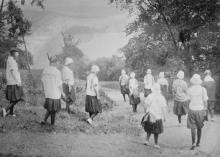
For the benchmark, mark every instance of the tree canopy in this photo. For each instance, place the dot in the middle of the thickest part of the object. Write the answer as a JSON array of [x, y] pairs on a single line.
[[167, 29]]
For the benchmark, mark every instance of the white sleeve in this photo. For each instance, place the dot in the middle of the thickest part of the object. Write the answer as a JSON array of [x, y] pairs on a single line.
[[11, 64], [205, 96]]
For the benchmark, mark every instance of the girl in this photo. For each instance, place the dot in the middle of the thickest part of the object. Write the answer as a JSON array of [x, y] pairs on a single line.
[[92, 105], [180, 96], [162, 81], [68, 83], [134, 93], [14, 90], [197, 106], [148, 82], [52, 85], [123, 82], [209, 84], [155, 106]]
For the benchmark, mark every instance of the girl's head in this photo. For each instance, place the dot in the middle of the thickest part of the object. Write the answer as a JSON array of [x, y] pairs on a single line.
[[196, 79], [123, 72], [14, 53], [149, 71], [132, 75], [161, 75], [68, 61], [180, 75], [207, 72], [95, 69]]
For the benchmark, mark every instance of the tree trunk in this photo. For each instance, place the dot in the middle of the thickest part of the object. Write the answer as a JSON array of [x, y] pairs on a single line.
[[1, 8], [26, 51]]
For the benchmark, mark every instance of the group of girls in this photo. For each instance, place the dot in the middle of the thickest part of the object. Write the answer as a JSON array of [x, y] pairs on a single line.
[[57, 85], [197, 101]]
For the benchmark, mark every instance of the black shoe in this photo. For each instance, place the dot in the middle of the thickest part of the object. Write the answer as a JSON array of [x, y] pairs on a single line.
[[42, 123], [197, 145], [193, 147]]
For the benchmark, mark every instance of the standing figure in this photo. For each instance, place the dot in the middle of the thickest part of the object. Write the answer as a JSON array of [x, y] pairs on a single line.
[[148, 83], [52, 86], [180, 96], [14, 90], [162, 81], [197, 106], [68, 83], [210, 86], [155, 107], [123, 82], [134, 93], [92, 104]]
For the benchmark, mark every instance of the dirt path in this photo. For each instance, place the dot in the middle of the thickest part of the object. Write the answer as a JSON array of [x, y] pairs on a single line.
[[125, 138]]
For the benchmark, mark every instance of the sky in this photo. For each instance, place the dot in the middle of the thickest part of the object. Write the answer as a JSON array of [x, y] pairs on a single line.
[[106, 22]]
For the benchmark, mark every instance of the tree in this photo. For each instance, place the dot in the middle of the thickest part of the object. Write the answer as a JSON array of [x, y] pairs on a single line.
[[13, 27], [173, 21]]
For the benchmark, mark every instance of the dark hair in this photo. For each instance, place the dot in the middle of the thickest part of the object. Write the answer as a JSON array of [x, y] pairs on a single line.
[[12, 52]]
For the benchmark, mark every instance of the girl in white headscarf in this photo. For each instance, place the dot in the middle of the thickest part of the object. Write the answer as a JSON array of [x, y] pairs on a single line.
[[123, 82], [92, 105], [134, 93], [180, 96], [210, 86], [52, 85], [148, 82], [155, 108], [197, 109]]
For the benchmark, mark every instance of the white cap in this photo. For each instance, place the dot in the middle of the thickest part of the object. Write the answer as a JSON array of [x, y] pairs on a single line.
[[161, 75], [68, 61], [132, 75], [180, 74], [148, 71], [196, 79], [95, 69]]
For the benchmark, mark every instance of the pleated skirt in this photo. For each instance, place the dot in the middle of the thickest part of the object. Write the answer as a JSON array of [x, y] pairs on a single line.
[[153, 128], [180, 108], [52, 105], [14, 93], [92, 104], [196, 119]]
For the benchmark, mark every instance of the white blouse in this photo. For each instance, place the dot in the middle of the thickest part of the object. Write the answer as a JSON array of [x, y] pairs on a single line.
[[12, 66], [67, 76], [197, 95], [51, 79], [155, 103], [123, 80], [92, 84], [148, 81], [133, 86]]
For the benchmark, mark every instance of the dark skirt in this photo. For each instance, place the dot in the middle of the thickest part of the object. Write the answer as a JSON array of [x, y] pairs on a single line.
[[134, 100], [14, 93], [70, 94], [147, 92], [52, 105], [124, 89], [196, 119], [153, 128], [180, 108], [92, 104]]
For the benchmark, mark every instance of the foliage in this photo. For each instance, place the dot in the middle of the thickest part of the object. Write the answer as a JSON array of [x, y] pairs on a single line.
[[110, 68], [13, 27], [168, 23]]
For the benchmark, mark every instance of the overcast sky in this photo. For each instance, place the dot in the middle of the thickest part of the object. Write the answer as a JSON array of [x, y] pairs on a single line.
[[64, 14]]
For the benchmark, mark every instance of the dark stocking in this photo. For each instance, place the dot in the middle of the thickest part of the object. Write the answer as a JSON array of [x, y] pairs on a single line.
[[134, 107], [193, 134], [199, 134], [179, 118], [53, 116], [10, 108], [148, 136], [155, 138], [92, 115], [46, 116]]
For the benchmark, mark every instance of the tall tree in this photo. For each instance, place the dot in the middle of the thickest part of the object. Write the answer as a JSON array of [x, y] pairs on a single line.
[[173, 21]]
